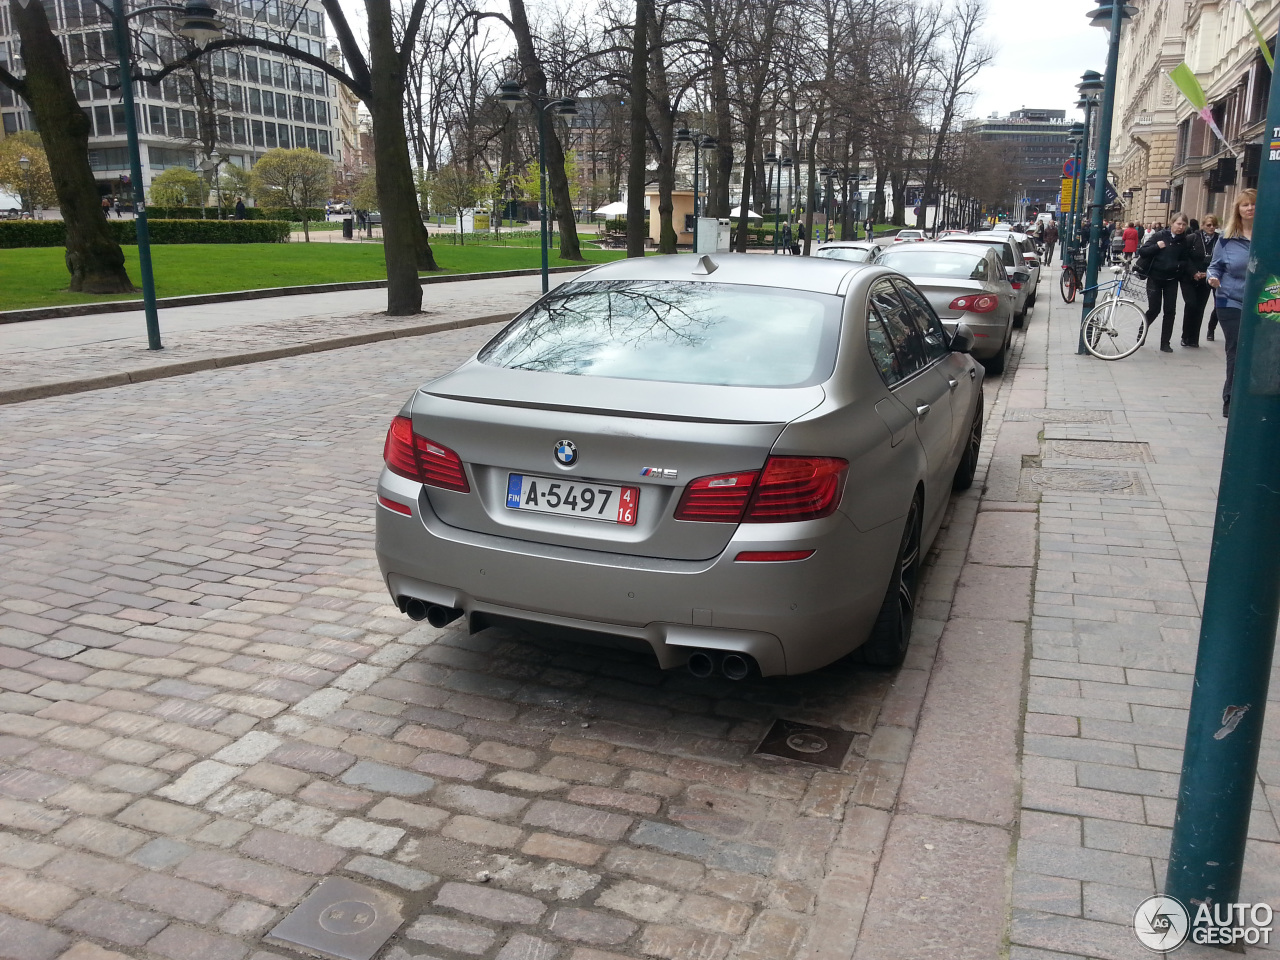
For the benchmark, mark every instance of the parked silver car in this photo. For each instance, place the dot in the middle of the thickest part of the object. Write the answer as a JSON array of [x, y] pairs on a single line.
[[964, 284], [1022, 276], [738, 462], [853, 251]]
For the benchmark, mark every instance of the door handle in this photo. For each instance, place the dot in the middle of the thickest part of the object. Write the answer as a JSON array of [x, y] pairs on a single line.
[[973, 374], [922, 410], [953, 381]]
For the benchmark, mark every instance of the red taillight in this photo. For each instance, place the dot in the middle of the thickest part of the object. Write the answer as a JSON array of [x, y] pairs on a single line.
[[772, 556], [975, 303], [1016, 285], [719, 499], [797, 488], [423, 460], [788, 489]]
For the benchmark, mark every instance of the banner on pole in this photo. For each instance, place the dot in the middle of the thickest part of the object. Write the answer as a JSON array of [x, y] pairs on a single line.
[[1068, 194]]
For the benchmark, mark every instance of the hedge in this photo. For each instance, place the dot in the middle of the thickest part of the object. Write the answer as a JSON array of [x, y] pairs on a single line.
[[211, 213], [53, 233]]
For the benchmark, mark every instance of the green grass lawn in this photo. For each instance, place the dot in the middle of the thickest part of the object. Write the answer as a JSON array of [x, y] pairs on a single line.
[[37, 276]]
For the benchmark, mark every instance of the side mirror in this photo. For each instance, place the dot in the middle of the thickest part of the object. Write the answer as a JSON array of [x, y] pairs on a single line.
[[1020, 276], [962, 339]]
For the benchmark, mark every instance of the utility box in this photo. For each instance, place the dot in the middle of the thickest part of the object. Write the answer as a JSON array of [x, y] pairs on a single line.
[[348, 229], [713, 236]]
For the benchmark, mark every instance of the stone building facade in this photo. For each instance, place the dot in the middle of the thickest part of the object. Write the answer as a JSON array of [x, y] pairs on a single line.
[[1161, 150]]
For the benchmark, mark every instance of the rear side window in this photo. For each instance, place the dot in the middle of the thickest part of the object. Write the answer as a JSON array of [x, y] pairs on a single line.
[[936, 343], [904, 336], [677, 332]]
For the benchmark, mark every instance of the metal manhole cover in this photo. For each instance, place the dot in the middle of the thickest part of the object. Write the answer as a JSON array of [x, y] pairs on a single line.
[[1100, 450], [1060, 416], [805, 743], [340, 919], [1083, 480]]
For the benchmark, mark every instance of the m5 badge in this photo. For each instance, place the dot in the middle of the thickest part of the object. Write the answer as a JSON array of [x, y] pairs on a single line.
[[661, 473]]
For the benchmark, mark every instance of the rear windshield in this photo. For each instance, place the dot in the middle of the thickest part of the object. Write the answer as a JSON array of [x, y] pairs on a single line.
[[934, 263], [1001, 244], [856, 254], [677, 332]]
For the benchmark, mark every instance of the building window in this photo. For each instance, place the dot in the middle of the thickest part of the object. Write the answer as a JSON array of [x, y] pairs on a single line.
[[309, 110], [238, 134], [156, 116], [270, 130], [324, 142], [251, 69], [255, 127], [282, 106], [255, 101], [312, 142], [297, 108]]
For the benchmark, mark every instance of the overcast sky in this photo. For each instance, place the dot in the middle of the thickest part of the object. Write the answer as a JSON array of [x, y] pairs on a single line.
[[1042, 47]]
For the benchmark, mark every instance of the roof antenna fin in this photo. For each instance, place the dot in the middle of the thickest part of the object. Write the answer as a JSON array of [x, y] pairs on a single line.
[[706, 266]]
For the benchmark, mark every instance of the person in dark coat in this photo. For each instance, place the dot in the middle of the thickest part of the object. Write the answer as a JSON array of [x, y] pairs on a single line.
[[1168, 251], [1050, 240], [786, 237], [1194, 280], [239, 208]]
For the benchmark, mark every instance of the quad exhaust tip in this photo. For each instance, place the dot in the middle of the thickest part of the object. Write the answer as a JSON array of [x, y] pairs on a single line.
[[433, 613], [733, 666]]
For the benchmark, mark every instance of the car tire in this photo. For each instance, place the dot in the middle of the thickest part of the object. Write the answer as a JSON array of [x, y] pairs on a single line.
[[968, 465], [887, 645]]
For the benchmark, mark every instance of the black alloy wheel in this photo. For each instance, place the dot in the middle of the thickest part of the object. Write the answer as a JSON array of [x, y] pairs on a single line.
[[887, 646], [968, 466]]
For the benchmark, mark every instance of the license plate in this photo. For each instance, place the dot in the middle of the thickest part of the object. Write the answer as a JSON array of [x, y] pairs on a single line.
[[590, 501]]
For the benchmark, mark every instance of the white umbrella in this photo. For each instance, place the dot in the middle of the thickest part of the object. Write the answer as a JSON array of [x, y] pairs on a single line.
[[751, 214], [612, 209]]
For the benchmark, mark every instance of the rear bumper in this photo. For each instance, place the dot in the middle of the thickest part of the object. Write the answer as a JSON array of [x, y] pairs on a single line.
[[988, 334], [790, 617]]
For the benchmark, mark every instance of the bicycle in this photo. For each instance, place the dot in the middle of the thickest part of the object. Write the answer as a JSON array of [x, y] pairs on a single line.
[[1071, 276], [1117, 326]]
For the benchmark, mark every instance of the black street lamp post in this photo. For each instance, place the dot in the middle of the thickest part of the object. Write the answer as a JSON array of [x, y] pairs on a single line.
[[199, 25], [25, 163], [771, 158], [512, 93], [700, 141]]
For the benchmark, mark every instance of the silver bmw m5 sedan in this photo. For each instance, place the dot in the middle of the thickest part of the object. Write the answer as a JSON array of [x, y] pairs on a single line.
[[735, 461]]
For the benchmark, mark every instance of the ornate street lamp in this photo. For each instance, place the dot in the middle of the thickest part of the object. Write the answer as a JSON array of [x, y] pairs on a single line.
[[512, 93], [25, 163], [200, 25], [700, 141]]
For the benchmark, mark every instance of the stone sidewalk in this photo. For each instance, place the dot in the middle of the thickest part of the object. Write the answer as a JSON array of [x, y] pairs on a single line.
[[1124, 458], [45, 358]]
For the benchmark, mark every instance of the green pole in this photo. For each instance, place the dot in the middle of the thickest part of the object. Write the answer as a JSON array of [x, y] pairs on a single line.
[[121, 28], [539, 106], [1073, 229], [1100, 168], [1242, 595]]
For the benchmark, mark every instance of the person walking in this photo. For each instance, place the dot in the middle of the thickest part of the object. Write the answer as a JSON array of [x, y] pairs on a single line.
[[1226, 275], [1131, 237], [786, 237], [1209, 227], [870, 228], [240, 208], [1050, 240], [1165, 251], [801, 234], [1194, 282]]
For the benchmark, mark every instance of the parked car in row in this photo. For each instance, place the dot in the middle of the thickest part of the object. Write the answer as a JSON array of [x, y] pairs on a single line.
[[1022, 276], [964, 285], [736, 462], [910, 236], [854, 251]]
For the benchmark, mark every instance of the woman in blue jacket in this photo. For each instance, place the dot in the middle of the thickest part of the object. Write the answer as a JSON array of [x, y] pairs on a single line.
[[1226, 275]]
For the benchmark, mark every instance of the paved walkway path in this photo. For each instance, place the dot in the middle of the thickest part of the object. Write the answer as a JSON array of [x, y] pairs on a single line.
[[48, 357], [1125, 459]]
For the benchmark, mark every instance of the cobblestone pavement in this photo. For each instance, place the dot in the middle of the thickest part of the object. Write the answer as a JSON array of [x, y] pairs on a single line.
[[1125, 457], [207, 704]]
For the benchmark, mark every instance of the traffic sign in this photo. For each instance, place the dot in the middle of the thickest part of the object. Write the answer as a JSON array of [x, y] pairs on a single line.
[[1069, 168], [1068, 193]]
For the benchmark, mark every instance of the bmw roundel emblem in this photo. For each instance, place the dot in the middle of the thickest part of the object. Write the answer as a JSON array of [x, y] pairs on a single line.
[[566, 452]]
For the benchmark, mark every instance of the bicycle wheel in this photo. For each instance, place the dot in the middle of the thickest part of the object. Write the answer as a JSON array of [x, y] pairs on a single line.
[[1067, 283], [1114, 330]]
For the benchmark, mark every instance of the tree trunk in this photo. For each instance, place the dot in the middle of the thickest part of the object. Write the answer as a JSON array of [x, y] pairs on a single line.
[[93, 258], [404, 237], [536, 83], [664, 136], [718, 190], [639, 102]]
